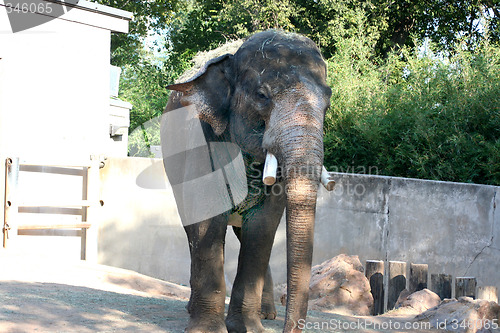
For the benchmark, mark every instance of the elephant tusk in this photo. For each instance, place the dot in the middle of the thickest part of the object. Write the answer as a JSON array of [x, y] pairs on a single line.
[[270, 167], [327, 182]]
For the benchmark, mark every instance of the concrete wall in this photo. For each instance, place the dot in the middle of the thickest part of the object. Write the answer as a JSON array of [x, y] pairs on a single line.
[[452, 227], [140, 228]]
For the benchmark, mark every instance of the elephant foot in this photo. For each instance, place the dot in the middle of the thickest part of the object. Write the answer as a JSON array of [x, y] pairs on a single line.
[[212, 325], [268, 311], [247, 325]]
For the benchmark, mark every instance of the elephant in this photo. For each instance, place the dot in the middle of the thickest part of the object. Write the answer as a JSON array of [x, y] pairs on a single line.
[[268, 98]]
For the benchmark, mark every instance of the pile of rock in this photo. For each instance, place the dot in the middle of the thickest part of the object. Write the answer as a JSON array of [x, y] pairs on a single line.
[[339, 285], [463, 315]]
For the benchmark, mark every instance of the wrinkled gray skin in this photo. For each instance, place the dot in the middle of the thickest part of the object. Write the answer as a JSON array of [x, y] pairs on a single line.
[[271, 95]]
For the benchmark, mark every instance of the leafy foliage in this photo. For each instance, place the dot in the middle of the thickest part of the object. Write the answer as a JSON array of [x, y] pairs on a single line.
[[144, 85], [424, 117], [395, 111], [204, 24], [149, 16], [445, 20]]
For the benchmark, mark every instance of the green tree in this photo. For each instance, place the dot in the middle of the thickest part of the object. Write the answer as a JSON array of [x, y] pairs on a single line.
[[149, 17], [440, 20], [204, 25], [143, 84], [391, 24], [145, 74], [416, 116], [393, 113]]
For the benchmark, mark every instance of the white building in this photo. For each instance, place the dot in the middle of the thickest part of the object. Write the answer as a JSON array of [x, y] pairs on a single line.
[[56, 103]]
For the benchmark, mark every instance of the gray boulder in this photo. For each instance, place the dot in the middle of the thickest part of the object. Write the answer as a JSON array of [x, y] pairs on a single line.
[[417, 302], [464, 315]]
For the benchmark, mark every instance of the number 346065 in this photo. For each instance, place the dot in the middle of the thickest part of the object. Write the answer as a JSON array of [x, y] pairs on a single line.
[[43, 8]]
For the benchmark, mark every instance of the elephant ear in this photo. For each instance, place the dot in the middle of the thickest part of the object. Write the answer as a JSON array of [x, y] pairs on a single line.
[[209, 91]]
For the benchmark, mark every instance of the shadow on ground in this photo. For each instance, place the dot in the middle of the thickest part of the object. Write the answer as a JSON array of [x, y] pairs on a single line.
[[43, 296], [50, 307]]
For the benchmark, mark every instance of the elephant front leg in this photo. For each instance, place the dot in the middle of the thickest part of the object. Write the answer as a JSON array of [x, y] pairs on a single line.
[[257, 237], [206, 304]]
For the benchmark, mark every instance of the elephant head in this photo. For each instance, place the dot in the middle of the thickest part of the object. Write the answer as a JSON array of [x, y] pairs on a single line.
[[271, 96]]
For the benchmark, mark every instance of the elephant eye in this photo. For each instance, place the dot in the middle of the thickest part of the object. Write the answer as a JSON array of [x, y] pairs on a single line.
[[262, 95], [262, 100]]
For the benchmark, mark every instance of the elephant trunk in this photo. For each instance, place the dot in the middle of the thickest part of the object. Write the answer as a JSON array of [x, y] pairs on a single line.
[[301, 191], [301, 161], [300, 212], [295, 136]]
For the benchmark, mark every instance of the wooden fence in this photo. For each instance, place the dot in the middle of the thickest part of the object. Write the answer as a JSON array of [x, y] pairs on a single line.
[[15, 206], [414, 277]]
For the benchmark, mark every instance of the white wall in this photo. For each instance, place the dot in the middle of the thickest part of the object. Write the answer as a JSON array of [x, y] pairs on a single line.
[[55, 90], [55, 99]]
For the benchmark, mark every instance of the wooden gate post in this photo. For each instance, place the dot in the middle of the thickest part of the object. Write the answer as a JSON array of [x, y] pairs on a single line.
[[489, 293], [375, 275], [465, 286], [91, 193], [441, 285], [418, 277], [397, 282], [9, 226]]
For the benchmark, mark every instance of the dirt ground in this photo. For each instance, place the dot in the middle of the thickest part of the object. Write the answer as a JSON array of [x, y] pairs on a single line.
[[41, 296]]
